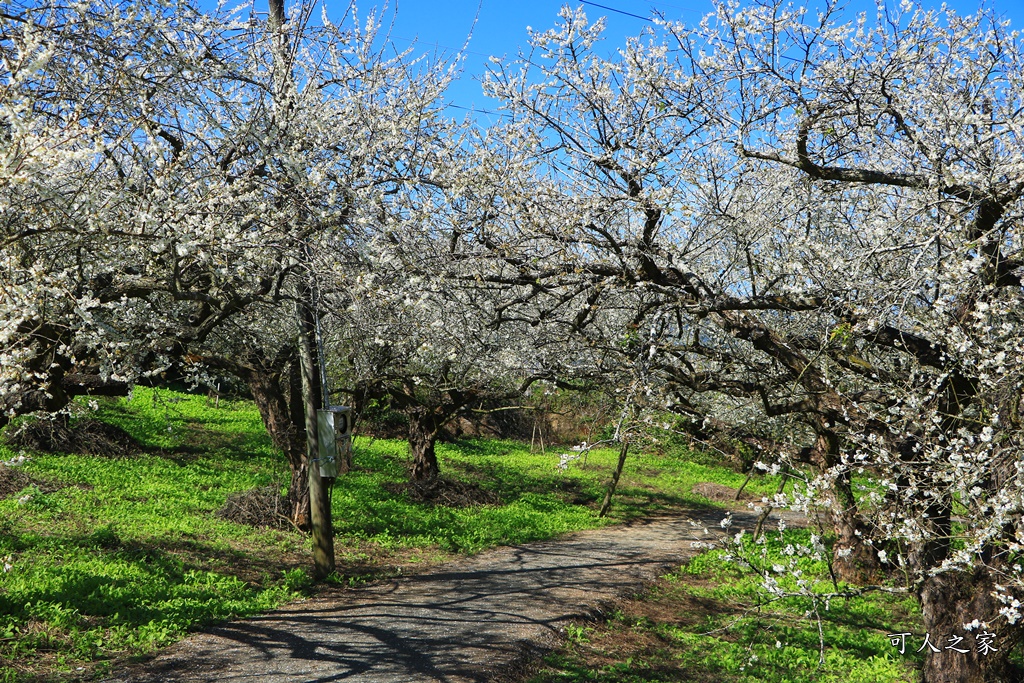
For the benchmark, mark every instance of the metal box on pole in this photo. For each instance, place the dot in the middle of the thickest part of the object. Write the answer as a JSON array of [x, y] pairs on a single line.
[[334, 436]]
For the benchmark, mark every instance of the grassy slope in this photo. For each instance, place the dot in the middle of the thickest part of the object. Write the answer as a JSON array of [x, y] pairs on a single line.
[[131, 556]]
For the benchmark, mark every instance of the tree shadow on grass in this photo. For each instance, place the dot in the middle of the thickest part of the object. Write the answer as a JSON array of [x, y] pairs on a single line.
[[185, 436], [97, 582], [510, 482]]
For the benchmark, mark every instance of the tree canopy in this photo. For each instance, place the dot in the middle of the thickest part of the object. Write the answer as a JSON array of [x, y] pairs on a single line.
[[798, 227]]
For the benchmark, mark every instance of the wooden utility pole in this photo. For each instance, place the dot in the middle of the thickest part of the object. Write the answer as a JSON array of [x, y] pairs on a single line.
[[319, 501]]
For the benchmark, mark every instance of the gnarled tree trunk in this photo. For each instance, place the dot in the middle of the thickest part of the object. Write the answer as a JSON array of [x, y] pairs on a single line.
[[948, 601], [269, 391], [423, 427], [853, 560]]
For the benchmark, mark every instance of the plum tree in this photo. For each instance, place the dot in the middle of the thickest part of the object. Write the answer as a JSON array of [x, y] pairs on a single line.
[[817, 223], [166, 176]]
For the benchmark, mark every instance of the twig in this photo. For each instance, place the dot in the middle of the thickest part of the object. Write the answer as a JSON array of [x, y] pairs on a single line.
[[768, 509]]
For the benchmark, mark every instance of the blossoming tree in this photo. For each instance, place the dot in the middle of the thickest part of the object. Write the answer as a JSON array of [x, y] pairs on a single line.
[[169, 177], [822, 217]]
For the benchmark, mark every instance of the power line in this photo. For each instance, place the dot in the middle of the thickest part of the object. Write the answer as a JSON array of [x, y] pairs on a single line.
[[612, 9], [654, 5], [584, 2], [481, 111]]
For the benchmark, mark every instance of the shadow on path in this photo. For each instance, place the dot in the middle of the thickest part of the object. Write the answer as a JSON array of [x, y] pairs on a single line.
[[474, 621]]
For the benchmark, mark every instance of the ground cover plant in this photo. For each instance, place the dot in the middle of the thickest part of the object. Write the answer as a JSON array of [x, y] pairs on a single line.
[[107, 557], [712, 621], [130, 556]]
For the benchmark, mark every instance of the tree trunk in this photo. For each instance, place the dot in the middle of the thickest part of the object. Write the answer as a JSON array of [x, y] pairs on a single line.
[[298, 490], [606, 504], [423, 427], [854, 561], [297, 499], [948, 601], [268, 392]]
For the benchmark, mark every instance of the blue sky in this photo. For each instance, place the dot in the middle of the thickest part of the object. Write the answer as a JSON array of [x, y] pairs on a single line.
[[500, 28], [500, 25]]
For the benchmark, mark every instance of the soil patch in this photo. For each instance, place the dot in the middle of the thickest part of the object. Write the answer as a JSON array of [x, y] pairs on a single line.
[[13, 480], [640, 629], [718, 493], [445, 492], [262, 507], [85, 436]]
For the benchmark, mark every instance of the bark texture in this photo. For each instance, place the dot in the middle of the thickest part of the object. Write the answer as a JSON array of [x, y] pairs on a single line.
[[854, 561], [948, 601], [423, 428]]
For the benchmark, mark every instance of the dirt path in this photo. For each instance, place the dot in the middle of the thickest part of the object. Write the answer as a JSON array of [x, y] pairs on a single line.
[[479, 619]]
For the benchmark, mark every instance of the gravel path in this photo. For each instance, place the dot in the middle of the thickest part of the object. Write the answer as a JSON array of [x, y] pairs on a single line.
[[479, 619]]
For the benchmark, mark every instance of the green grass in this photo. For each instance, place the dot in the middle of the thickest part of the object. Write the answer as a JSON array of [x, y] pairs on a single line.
[[130, 556], [540, 500], [711, 621]]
